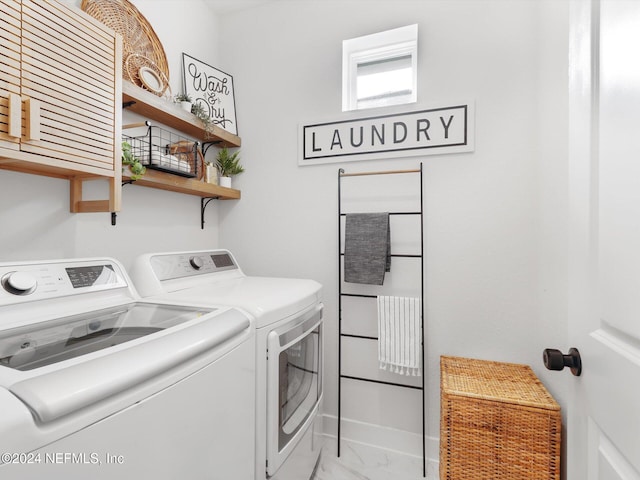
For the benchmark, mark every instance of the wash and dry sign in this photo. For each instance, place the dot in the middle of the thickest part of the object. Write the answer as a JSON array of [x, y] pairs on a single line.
[[423, 132]]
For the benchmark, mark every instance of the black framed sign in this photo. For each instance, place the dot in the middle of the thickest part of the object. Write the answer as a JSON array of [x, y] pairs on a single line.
[[213, 89], [390, 133]]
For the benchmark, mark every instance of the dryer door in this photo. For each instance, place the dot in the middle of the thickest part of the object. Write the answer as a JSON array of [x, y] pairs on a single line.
[[294, 384]]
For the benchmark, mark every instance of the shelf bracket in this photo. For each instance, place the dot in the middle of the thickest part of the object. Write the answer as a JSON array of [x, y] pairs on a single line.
[[207, 145], [78, 205], [128, 104], [204, 201]]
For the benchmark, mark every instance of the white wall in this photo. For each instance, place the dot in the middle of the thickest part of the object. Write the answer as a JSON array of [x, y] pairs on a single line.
[[495, 241], [34, 211]]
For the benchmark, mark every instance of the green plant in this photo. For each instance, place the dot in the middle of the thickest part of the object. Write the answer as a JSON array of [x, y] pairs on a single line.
[[228, 164], [183, 97], [199, 111], [128, 158]]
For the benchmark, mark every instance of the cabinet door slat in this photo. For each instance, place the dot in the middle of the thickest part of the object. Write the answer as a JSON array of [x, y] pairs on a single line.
[[65, 55], [9, 68]]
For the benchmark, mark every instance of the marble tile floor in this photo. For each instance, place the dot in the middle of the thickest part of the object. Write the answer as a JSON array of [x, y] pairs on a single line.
[[364, 462]]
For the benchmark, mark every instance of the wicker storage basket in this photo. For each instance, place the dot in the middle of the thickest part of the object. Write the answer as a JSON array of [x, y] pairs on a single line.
[[497, 421]]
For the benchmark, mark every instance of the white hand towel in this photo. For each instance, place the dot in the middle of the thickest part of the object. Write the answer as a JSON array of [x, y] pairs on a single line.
[[399, 334]]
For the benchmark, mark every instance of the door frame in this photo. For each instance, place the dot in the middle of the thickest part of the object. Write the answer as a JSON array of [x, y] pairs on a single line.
[[584, 49]]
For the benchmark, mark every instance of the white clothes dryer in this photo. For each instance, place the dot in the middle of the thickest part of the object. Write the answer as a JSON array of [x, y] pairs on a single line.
[[288, 317], [96, 383]]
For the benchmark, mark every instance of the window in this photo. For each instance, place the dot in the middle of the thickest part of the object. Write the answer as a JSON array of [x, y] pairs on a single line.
[[380, 69]]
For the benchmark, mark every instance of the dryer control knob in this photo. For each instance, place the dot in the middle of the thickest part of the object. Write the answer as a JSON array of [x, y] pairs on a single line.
[[19, 283], [196, 262]]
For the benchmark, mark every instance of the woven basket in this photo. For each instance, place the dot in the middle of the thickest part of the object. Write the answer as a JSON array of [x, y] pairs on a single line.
[[134, 64], [140, 44], [497, 422]]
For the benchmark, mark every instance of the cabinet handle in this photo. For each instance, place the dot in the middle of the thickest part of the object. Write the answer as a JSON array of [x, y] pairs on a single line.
[[32, 108], [15, 116]]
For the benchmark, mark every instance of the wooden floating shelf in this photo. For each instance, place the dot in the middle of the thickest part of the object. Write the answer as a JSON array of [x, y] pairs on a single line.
[[189, 186], [155, 108]]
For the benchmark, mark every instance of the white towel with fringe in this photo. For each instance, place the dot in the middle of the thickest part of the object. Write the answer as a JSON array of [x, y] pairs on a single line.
[[399, 334]]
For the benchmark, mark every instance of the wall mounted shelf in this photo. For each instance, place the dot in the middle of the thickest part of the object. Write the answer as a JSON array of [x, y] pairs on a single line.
[[150, 106], [189, 186]]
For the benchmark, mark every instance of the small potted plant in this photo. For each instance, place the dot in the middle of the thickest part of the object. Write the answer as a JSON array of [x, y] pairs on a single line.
[[228, 164], [128, 158], [185, 101]]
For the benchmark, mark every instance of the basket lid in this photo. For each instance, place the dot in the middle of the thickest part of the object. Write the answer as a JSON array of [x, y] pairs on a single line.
[[498, 381]]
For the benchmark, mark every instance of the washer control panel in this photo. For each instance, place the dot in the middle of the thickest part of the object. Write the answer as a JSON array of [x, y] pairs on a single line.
[[36, 281], [179, 265]]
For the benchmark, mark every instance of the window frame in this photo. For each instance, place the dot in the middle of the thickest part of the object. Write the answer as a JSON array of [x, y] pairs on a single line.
[[387, 45]]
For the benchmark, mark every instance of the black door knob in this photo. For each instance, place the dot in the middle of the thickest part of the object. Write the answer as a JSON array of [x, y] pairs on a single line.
[[555, 360]]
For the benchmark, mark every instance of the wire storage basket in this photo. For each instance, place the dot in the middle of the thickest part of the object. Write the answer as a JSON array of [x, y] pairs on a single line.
[[497, 422], [163, 150]]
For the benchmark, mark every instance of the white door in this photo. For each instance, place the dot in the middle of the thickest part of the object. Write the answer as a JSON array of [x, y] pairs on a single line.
[[603, 437]]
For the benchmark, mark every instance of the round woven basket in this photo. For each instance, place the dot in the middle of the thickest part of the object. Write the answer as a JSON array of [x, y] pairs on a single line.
[[140, 44], [134, 65]]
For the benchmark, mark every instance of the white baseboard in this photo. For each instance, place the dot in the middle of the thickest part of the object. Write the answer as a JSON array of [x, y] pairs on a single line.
[[398, 441]]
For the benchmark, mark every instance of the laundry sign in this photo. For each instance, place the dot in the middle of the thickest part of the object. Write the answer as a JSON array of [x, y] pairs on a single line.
[[422, 132]]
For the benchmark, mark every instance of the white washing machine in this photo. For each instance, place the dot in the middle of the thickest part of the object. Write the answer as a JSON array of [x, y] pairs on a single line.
[[96, 383], [288, 318]]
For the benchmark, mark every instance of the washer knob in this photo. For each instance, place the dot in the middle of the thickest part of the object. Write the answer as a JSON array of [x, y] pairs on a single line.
[[196, 262], [19, 283]]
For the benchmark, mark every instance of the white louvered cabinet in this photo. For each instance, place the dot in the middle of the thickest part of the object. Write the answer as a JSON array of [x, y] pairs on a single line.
[[60, 97]]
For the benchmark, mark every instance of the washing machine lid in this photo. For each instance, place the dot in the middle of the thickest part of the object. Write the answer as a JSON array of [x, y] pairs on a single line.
[[137, 344], [46, 343]]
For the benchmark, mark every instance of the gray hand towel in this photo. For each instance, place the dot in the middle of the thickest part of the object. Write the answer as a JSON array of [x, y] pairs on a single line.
[[367, 248]]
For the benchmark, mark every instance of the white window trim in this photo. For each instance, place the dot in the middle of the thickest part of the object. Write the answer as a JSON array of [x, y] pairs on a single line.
[[389, 44]]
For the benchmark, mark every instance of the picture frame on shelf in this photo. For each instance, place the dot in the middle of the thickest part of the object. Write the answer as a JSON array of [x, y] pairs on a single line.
[[213, 89]]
